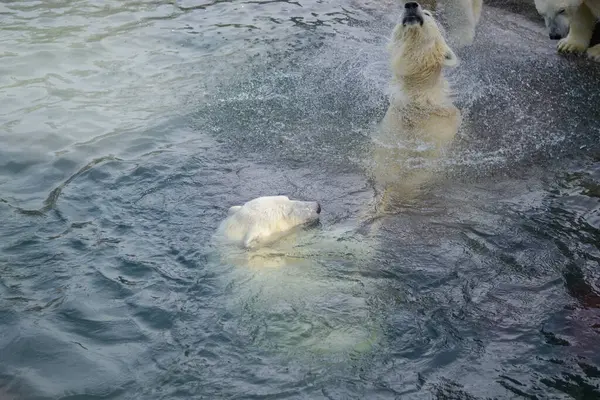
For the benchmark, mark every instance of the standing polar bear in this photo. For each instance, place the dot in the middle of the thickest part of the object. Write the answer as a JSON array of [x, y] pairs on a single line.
[[421, 119], [573, 22]]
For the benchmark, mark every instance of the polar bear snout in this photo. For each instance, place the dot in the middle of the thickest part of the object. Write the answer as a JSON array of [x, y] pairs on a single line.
[[413, 14], [555, 36], [306, 211], [557, 31], [558, 27]]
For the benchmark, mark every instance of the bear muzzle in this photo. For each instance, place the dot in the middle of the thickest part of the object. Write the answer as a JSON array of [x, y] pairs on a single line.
[[413, 14], [555, 36]]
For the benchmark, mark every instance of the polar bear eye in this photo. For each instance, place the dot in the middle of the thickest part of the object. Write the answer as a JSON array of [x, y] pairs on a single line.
[[427, 13], [561, 11]]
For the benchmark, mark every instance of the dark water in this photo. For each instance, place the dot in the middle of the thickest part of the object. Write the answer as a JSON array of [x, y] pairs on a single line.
[[129, 128]]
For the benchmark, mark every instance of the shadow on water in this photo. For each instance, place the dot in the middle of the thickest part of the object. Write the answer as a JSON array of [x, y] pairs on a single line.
[[486, 287]]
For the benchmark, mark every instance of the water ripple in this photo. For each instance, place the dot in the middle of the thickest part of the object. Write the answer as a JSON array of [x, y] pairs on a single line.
[[129, 129]]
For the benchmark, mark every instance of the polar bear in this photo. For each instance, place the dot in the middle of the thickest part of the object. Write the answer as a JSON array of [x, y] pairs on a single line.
[[573, 22], [268, 232], [246, 237], [309, 309], [265, 219], [421, 118], [462, 17]]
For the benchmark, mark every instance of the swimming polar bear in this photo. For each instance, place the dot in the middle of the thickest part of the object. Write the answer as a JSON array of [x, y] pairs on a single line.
[[297, 290], [244, 236], [421, 119], [270, 231], [573, 22], [266, 219]]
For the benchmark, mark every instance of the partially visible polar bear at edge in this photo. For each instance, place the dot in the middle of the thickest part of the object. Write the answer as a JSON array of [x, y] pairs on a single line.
[[573, 22], [291, 288], [421, 119]]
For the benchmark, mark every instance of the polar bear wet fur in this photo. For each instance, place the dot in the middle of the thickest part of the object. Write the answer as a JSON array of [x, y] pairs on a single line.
[[573, 22], [276, 281], [267, 232], [420, 103], [421, 113], [462, 17], [265, 219]]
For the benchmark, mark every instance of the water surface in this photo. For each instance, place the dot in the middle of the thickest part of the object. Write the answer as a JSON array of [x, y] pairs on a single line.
[[129, 128]]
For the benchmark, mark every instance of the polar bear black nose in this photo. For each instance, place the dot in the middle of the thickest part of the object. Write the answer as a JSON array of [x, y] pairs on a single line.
[[411, 5], [555, 36]]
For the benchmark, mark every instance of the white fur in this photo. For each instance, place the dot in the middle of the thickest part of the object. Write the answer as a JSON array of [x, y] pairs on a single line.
[[263, 234], [578, 17], [421, 119], [462, 17], [260, 287], [265, 219]]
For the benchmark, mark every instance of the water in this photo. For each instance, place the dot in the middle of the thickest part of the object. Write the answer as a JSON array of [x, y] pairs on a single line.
[[129, 128]]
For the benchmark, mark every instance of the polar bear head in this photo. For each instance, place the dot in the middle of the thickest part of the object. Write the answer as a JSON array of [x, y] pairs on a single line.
[[557, 14], [266, 219], [418, 45]]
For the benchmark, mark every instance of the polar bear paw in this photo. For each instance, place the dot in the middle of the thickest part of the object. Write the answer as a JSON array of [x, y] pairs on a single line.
[[568, 45], [593, 53]]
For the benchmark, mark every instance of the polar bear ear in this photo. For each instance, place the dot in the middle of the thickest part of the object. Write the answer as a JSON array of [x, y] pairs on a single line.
[[450, 59], [252, 238], [233, 210]]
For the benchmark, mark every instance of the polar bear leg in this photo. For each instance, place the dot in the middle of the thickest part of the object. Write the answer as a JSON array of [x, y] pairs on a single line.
[[462, 16], [594, 53], [477, 5], [580, 32]]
